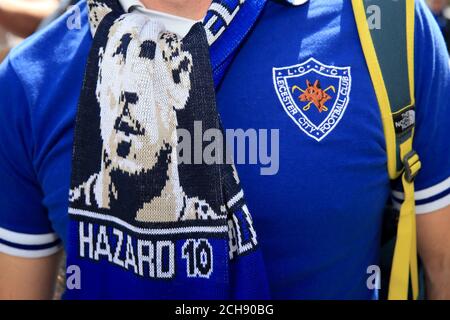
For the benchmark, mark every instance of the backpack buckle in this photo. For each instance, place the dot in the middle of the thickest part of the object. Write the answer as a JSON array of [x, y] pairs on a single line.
[[412, 165]]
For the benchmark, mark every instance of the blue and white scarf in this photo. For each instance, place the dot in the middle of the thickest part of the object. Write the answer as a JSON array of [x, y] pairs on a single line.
[[143, 225]]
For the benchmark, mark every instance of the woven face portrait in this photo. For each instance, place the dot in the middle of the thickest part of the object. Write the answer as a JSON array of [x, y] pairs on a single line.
[[144, 80], [137, 118]]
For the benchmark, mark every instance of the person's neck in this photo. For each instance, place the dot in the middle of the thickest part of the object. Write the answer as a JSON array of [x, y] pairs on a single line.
[[191, 9]]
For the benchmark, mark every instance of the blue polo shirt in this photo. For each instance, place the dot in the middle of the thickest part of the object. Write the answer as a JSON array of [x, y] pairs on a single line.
[[319, 217]]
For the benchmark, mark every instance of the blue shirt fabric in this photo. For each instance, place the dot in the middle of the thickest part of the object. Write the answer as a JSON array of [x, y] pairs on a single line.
[[318, 219]]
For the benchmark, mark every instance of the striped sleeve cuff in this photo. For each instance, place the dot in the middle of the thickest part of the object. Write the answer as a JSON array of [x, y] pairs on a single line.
[[429, 199], [28, 245]]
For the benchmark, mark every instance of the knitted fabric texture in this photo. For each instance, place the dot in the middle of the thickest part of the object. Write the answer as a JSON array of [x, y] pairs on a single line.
[[143, 223]]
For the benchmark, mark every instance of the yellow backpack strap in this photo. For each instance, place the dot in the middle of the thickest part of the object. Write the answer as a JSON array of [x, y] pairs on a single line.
[[389, 53]]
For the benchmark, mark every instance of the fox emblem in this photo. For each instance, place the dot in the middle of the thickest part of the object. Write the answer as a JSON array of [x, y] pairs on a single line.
[[313, 94]]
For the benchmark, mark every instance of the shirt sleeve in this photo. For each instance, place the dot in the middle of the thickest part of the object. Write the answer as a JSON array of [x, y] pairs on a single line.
[[25, 229], [432, 133]]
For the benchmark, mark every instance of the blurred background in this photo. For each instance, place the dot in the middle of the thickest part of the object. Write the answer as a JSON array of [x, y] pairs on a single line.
[[20, 18], [441, 11]]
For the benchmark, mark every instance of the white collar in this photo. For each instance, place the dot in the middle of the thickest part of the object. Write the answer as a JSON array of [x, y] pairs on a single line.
[[176, 24], [129, 5], [297, 2]]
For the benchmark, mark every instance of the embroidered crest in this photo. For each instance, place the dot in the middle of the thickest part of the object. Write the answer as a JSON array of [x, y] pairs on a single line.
[[314, 95]]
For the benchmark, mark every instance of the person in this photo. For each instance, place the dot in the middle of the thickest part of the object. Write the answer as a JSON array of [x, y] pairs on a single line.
[[318, 219], [441, 13]]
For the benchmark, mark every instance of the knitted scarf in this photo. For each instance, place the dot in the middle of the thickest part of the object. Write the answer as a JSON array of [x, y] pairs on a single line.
[[143, 223]]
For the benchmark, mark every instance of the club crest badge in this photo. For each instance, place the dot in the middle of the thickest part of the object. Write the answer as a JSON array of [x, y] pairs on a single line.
[[314, 95]]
